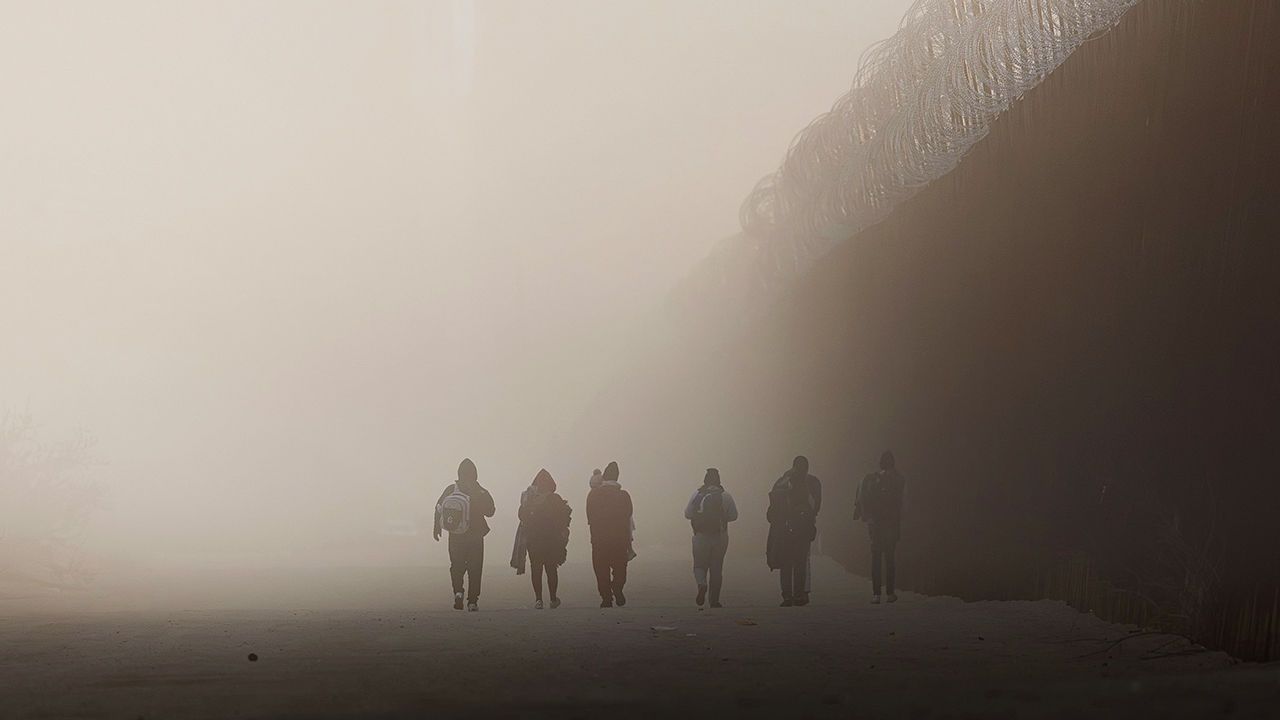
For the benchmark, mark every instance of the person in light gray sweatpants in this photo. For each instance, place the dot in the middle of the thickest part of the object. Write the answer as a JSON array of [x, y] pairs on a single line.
[[710, 510]]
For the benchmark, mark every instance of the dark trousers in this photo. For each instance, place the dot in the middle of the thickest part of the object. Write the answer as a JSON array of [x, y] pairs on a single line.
[[466, 557], [882, 558], [553, 577], [794, 573], [610, 563]]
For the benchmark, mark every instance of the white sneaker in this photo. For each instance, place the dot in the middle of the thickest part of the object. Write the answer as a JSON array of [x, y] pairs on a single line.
[[537, 605], [875, 599], [472, 606]]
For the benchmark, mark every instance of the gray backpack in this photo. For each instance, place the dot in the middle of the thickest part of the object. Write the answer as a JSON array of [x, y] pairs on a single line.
[[455, 512], [709, 517]]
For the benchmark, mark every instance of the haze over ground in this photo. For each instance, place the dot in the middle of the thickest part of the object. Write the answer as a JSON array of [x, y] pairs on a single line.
[[289, 262]]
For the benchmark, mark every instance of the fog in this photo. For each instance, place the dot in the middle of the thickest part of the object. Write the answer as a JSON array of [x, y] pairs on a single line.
[[289, 262]]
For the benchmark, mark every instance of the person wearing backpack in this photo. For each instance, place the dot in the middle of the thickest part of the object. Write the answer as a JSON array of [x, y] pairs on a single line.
[[879, 504], [710, 511], [544, 523], [461, 511], [794, 503], [609, 517]]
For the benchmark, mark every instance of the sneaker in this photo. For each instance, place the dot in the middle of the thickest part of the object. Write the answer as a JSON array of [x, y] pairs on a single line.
[[802, 600], [555, 603], [457, 601], [893, 597], [622, 599], [702, 595], [472, 606], [787, 602], [716, 604], [875, 599], [606, 603], [537, 605]]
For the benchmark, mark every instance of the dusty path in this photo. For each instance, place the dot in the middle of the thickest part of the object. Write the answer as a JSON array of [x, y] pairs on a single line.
[[921, 658]]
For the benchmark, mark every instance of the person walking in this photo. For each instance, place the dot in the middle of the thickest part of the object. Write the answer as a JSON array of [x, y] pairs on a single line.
[[609, 517], [462, 511], [710, 511], [544, 524], [879, 505], [597, 479], [794, 503]]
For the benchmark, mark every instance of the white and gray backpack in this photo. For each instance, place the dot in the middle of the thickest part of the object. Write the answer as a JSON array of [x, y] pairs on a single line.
[[455, 512]]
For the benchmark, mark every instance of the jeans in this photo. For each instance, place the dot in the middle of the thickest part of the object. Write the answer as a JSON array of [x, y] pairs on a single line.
[[466, 557], [708, 556], [882, 554]]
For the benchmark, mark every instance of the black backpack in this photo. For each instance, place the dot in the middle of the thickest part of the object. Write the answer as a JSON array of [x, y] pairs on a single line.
[[708, 519]]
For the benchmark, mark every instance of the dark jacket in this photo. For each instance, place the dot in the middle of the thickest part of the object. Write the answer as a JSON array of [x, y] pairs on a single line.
[[481, 507], [879, 504], [792, 515], [546, 519], [609, 515]]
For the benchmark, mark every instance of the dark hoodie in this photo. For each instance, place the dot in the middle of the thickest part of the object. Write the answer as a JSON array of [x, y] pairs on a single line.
[[794, 504], [481, 501], [879, 501], [545, 517], [609, 511]]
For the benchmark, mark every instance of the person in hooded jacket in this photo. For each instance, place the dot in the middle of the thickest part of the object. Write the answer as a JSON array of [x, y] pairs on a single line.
[[597, 479], [794, 503], [710, 511], [879, 505], [544, 522], [609, 517], [466, 548]]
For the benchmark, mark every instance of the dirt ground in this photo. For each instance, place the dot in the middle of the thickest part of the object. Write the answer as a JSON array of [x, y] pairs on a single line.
[[377, 643]]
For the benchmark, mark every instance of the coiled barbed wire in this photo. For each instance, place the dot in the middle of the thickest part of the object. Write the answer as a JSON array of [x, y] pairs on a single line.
[[919, 101]]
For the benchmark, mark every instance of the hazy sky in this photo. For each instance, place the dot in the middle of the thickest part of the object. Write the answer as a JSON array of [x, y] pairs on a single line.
[[290, 261]]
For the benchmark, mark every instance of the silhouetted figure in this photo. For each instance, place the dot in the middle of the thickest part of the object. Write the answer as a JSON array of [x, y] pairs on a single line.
[[609, 515], [461, 511], [710, 511], [597, 479], [544, 525], [879, 505], [794, 503]]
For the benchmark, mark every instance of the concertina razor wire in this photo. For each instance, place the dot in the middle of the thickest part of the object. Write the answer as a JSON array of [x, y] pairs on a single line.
[[919, 101]]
